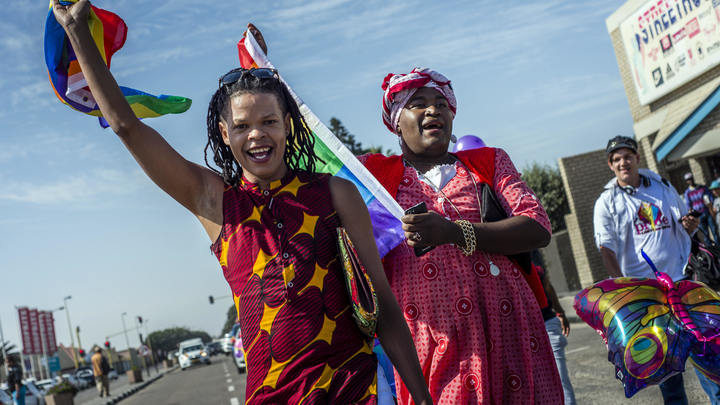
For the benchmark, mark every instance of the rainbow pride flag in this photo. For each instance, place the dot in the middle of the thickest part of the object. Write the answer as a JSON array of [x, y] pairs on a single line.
[[109, 32], [385, 212]]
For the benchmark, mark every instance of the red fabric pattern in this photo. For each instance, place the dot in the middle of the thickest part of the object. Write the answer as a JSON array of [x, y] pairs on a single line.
[[278, 253]]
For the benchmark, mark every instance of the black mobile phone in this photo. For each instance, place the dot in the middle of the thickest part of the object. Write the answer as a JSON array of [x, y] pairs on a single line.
[[419, 208], [694, 213]]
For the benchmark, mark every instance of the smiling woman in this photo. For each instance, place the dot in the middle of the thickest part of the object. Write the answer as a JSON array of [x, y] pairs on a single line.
[[273, 229]]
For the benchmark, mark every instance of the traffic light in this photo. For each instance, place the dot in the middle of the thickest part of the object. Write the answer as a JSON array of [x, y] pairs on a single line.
[[81, 352], [140, 320], [107, 344], [211, 299]]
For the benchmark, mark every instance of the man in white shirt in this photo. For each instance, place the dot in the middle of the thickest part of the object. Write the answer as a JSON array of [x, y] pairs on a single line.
[[639, 210]]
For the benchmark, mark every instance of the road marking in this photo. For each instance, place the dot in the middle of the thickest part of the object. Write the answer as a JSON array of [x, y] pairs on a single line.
[[234, 401], [227, 375], [579, 349], [229, 380], [231, 388]]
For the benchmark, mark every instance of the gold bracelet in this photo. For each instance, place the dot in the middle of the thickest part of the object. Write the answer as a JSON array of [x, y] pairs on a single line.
[[469, 235]]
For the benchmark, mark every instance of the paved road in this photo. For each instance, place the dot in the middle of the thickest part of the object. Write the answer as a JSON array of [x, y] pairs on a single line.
[[90, 396], [217, 383], [593, 379]]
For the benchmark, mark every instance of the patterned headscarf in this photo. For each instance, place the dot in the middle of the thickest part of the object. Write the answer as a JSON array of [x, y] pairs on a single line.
[[399, 88]]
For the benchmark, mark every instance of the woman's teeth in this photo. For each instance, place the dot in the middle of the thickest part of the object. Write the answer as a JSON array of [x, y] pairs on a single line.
[[259, 153]]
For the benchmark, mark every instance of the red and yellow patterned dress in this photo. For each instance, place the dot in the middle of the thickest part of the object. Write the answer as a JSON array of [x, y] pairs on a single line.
[[278, 252]]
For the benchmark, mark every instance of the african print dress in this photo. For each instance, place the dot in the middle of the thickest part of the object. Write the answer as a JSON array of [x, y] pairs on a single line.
[[477, 328], [278, 252]]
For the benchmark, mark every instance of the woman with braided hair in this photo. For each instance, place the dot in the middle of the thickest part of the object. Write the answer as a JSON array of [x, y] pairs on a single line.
[[273, 228]]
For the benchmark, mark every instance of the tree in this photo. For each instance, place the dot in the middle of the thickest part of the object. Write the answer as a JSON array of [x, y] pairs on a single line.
[[547, 184], [348, 139], [167, 340], [231, 319]]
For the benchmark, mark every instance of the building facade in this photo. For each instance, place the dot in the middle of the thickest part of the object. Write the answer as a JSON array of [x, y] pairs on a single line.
[[668, 56]]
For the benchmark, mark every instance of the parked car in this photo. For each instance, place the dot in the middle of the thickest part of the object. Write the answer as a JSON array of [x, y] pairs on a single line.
[[85, 373], [192, 351], [78, 383], [46, 384], [239, 352], [112, 374]]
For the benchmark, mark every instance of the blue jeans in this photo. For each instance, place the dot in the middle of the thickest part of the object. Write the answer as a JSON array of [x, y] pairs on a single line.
[[711, 388], [707, 226], [19, 396], [673, 390], [558, 343]]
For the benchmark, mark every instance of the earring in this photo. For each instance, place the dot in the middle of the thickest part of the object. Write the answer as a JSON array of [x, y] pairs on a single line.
[[453, 138]]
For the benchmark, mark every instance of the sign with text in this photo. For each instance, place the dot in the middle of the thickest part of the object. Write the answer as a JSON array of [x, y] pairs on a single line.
[[670, 42]]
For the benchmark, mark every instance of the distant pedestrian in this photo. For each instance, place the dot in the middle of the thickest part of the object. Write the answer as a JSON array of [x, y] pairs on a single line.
[[15, 375], [699, 199], [715, 208], [558, 328], [101, 369]]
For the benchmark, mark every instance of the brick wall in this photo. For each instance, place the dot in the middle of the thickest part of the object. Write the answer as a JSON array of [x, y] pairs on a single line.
[[584, 177]]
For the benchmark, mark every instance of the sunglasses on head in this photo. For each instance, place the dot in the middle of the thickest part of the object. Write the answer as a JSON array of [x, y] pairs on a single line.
[[234, 75]]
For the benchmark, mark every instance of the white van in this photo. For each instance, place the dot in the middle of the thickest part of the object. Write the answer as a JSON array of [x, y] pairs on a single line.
[[192, 351]]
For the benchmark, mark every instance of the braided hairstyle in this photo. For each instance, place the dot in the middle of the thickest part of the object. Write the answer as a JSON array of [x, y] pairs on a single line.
[[300, 143]]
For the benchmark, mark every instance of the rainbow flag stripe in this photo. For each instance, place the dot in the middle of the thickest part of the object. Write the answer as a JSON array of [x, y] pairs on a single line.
[[109, 32], [385, 212]]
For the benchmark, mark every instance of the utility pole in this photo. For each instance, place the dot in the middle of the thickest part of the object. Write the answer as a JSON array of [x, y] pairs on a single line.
[[22, 355], [127, 341], [138, 323], [2, 346], [77, 332], [70, 330], [43, 371]]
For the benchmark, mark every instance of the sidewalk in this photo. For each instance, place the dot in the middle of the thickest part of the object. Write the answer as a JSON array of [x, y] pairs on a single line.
[[566, 301], [119, 389]]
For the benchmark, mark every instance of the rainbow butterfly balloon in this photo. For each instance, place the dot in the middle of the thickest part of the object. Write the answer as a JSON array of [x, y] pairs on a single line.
[[651, 327]]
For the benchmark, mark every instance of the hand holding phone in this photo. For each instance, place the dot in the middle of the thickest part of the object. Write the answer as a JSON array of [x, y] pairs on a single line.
[[419, 208]]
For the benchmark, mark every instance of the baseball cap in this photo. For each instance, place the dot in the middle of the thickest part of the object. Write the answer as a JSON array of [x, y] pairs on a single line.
[[715, 184], [620, 142], [688, 176]]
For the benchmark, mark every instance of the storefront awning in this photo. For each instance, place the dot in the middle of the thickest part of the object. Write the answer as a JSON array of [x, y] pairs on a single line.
[[667, 144], [696, 145]]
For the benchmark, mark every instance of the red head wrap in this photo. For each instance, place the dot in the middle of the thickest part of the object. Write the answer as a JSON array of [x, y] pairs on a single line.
[[399, 88]]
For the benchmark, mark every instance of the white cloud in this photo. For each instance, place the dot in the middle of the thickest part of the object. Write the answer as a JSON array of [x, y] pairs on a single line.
[[72, 189]]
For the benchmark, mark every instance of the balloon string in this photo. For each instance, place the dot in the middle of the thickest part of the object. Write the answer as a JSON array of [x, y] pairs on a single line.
[[650, 262]]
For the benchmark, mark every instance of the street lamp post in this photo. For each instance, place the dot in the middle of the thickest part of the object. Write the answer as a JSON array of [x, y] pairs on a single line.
[[2, 346], [127, 341], [138, 323], [70, 330]]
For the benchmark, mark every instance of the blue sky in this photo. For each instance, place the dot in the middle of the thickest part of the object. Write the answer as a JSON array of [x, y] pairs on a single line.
[[78, 217]]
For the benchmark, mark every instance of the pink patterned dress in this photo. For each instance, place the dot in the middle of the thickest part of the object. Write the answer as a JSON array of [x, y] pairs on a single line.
[[479, 333]]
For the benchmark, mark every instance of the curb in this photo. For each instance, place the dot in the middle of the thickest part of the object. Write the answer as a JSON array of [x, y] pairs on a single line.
[[128, 392]]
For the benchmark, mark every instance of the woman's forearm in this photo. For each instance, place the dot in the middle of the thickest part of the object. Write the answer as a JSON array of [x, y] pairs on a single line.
[[393, 332], [104, 88], [511, 236]]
